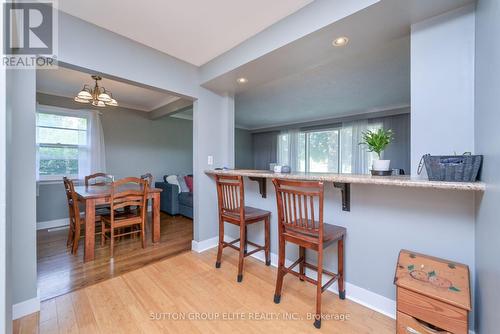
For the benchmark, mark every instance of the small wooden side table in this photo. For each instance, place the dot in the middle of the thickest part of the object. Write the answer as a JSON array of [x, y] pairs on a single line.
[[433, 295]]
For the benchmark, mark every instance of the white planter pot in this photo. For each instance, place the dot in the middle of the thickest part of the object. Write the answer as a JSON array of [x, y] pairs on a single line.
[[381, 165]]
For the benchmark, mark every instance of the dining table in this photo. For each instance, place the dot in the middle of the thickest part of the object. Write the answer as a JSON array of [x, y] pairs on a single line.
[[91, 196]]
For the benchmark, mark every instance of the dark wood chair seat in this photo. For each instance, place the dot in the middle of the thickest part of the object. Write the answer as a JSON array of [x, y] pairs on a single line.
[[331, 233], [232, 209], [102, 210], [252, 215], [123, 218]]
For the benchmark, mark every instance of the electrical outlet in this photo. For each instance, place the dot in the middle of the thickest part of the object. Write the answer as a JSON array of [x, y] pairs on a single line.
[[210, 160]]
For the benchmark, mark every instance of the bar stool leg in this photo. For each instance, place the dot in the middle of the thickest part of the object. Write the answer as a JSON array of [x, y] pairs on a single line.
[[267, 245], [281, 273], [243, 228], [341, 257], [246, 236], [317, 321], [302, 255], [221, 243]]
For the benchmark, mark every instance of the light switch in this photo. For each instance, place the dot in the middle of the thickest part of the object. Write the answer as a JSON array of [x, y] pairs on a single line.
[[210, 160]]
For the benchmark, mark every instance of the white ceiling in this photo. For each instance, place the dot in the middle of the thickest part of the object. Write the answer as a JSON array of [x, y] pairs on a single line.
[[367, 82], [67, 82], [195, 31]]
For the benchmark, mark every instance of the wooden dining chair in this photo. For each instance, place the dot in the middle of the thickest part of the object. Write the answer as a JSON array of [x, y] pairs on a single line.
[[129, 191], [75, 220], [99, 179], [300, 221], [232, 209]]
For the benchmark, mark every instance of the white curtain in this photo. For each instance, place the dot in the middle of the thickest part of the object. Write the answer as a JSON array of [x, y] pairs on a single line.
[[356, 158], [354, 155], [288, 149], [92, 157]]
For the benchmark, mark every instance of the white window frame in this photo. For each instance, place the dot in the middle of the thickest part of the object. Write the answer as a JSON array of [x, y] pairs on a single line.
[[79, 113]]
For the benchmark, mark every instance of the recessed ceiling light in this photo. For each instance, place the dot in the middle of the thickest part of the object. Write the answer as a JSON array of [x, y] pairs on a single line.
[[242, 80], [340, 41]]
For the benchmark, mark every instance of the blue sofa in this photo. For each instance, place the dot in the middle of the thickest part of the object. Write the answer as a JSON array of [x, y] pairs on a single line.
[[173, 202]]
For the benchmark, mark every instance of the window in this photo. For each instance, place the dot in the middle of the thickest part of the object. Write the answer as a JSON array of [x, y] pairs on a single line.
[[322, 151], [310, 151], [62, 144], [334, 150]]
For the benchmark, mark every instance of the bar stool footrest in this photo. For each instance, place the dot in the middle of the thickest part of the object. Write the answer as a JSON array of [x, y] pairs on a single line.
[[289, 270], [231, 244]]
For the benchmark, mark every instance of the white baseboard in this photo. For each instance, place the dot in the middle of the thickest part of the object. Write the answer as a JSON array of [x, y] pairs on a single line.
[[25, 308], [355, 293], [52, 223], [201, 246]]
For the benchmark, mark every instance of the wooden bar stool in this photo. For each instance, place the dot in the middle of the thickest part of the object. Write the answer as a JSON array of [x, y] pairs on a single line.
[[232, 209], [298, 204]]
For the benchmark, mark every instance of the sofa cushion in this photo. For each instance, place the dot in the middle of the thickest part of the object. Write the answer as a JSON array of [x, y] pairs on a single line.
[[186, 199], [182, 184], [189, 182]]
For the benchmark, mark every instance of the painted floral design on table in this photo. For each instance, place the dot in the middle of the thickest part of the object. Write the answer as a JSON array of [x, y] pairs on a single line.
[[431, 276]]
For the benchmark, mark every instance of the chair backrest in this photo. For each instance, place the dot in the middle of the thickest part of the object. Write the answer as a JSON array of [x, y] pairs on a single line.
[[130, 191], [72, 200], [300, 206], [148, 177], [99, 179], [231, 195]]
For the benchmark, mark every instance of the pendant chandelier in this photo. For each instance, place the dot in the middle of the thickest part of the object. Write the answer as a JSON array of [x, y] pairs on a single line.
[[98, 96]]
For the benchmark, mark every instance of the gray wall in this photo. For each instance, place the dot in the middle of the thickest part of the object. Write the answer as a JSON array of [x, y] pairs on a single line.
[[442, 85], [243, 149], [134, 145], [487, 119], [399, 151], [21, 188]]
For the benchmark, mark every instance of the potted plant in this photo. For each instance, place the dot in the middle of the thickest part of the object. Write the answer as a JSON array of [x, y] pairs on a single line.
[[377, 142]]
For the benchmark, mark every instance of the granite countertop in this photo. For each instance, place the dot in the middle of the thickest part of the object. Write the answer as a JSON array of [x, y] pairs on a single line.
[[400, 181]]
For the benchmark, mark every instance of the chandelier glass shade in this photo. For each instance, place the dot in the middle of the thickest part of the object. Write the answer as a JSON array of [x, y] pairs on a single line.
[[98, 96]]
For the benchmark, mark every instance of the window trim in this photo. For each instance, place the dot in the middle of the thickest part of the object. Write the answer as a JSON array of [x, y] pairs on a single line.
[[78, 113]]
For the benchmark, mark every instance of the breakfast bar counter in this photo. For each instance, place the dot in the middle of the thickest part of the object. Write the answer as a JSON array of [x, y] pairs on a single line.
[[343, 181], [400, 181]]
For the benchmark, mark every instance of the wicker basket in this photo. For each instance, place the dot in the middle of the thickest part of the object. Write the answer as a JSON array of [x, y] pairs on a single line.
[[453, 168]]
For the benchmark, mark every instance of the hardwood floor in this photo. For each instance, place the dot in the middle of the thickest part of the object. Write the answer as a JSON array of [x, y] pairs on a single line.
[[60, 272], [149, 299]]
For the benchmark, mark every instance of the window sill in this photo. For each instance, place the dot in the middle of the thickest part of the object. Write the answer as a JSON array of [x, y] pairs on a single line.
[[55, 181]]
